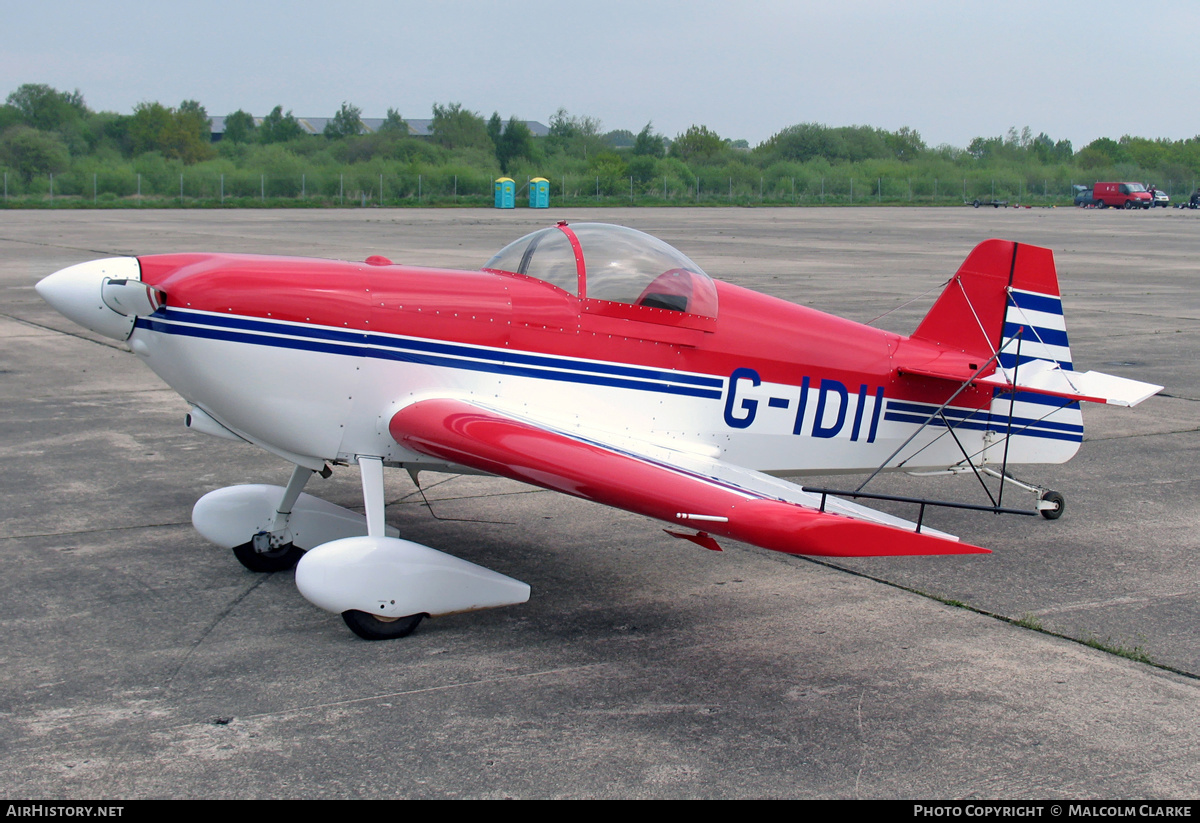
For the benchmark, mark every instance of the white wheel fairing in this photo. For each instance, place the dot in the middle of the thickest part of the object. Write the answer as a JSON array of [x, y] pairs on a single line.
[[231, 516], [388, 577]]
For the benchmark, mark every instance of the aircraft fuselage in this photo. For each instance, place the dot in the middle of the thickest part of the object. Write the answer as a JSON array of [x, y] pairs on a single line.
[[314, 357]]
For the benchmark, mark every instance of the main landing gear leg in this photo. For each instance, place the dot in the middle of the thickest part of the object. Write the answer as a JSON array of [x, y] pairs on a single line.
[[364, 624], [273, 551]]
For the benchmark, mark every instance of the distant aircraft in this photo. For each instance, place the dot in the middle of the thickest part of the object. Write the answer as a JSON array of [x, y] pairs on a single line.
[[593, 360]]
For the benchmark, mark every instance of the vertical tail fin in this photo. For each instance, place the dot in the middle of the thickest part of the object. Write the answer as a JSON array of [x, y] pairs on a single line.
[[1004, 302], [1005, 299], [1002, 290]]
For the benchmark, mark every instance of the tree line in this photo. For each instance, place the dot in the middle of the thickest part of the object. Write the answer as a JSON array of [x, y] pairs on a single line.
[[52, 142]]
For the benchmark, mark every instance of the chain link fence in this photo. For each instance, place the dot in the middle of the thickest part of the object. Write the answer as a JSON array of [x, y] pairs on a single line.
[[123, 188]]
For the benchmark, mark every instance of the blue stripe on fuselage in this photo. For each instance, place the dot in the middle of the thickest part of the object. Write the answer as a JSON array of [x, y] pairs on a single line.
[[985, 419], [427, 352]]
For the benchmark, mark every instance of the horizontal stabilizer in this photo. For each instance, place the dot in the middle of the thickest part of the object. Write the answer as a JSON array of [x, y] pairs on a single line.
[[1044, 377]]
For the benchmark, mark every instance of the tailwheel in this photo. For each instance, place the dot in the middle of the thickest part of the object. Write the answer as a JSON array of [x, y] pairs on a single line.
[[372, 627], [1056, 510], [257, 555]]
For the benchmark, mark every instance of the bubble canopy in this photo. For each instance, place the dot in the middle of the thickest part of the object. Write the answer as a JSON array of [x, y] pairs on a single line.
[[598, 261]]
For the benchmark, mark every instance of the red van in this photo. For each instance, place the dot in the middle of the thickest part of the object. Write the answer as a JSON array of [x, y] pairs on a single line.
[[1122, 196]]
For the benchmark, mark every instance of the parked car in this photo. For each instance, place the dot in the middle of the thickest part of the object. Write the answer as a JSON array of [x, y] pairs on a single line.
[[1083, 196], [1121, 196], [1161, 198]]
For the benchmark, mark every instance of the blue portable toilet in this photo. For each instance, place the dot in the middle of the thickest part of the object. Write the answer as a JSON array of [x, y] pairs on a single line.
[[539, 193], [506, 193]]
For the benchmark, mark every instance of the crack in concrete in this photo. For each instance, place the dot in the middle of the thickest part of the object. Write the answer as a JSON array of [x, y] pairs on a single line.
[[95, 531], [54, 745], [113, 345], [215, 622], [61, 246], [1012, 621], [1141, 434]]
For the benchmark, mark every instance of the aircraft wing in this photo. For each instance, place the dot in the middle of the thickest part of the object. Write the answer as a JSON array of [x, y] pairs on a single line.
[[680, 488]]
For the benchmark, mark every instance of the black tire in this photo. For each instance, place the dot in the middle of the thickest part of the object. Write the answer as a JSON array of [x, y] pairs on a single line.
[[276, 560], [369, 627], [1060, 505], [1100, 204], [976, 204], [1129, 204]]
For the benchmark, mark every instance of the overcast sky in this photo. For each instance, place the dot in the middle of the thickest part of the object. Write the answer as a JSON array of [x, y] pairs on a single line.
[[950, 70]]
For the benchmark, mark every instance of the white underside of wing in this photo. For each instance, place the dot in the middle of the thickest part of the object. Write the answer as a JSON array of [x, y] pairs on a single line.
[[756, 483]]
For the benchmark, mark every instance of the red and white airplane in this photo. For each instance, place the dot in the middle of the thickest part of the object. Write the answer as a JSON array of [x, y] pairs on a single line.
[[597, 361]]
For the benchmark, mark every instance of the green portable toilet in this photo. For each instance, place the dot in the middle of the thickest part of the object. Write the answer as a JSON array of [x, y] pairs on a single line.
[[539, 193], [506, 193]]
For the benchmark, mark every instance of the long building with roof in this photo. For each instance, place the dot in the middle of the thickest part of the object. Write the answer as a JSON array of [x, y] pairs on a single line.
[[316, 126]]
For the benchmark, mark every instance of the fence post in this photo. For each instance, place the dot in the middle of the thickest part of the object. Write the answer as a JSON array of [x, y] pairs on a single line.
[[304, 186], [139, 194], [93, 188], [222, 189], [879, 191], [262, 187], [381, 189], [342, 189], [456, 188], [52, 187], [631, 189], [181, 188], [418, 188]]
